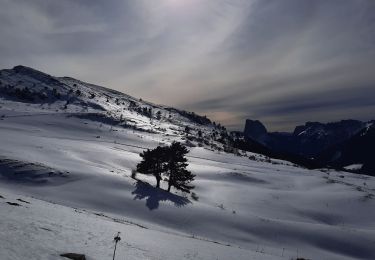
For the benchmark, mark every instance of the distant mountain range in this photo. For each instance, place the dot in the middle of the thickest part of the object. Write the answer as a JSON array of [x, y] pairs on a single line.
[[347, 144]]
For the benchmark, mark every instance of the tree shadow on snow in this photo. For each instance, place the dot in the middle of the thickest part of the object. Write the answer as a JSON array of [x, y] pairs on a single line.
[[30, 173], [154, 195]]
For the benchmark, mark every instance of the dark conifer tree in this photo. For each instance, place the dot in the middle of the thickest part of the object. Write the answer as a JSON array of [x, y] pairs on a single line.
[[187, 130], [169, 161], [158, 115], [175, 168], [152, 163]]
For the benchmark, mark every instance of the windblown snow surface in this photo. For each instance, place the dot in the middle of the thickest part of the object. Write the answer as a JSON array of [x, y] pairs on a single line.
[[66, 186]]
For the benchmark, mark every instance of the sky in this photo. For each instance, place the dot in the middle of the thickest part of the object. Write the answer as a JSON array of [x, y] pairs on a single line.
[[284, 62]]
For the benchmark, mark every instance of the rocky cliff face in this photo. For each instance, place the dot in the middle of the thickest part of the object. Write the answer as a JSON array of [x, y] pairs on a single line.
[[307, 140], [314, 137], [255, 130], [338, 144], [357, 150]]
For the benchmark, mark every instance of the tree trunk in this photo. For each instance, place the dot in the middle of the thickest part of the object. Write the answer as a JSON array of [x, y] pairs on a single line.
[[170, 181], [157, 183]]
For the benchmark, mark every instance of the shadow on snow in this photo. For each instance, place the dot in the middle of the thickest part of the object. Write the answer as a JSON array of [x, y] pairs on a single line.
[[154, 195], [30, 173]]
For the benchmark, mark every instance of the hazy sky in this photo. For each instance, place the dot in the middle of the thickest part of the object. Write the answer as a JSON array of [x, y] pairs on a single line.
[[283, 62]]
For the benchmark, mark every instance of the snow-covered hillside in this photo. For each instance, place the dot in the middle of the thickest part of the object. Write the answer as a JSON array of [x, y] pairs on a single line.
[[37, 92], [68, 167]]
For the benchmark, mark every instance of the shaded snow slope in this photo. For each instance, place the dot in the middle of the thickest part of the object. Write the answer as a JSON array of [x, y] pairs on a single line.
[[36, 230], [242, 203]]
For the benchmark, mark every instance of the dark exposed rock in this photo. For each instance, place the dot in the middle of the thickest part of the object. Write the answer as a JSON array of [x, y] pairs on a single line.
[[359, 149], [255, 130], [13, 204], [24, 201], [307, 140], [74, 256], [314, 144]]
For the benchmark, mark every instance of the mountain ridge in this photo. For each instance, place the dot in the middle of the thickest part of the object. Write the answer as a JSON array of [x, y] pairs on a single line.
[[317, 141], [66, 94]]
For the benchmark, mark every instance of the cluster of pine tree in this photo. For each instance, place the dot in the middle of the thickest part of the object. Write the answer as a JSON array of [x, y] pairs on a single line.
[[168, 161]]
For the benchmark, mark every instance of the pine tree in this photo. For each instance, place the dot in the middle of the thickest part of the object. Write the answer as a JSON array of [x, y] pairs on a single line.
[[187, 130], [152, 163], [175, 168], [169, 161], [158, 115]]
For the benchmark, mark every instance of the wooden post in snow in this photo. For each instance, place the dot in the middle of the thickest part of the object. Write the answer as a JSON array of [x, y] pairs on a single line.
[[117, 238]]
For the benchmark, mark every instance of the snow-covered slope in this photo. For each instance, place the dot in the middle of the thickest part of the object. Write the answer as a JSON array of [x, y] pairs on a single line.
[[27, 90], [36, 229], [74, 165]]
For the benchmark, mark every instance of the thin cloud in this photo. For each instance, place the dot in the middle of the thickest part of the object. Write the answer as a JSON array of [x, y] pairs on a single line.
[[283, 62]]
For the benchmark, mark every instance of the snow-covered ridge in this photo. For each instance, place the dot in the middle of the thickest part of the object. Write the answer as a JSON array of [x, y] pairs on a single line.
[[34, 91]]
